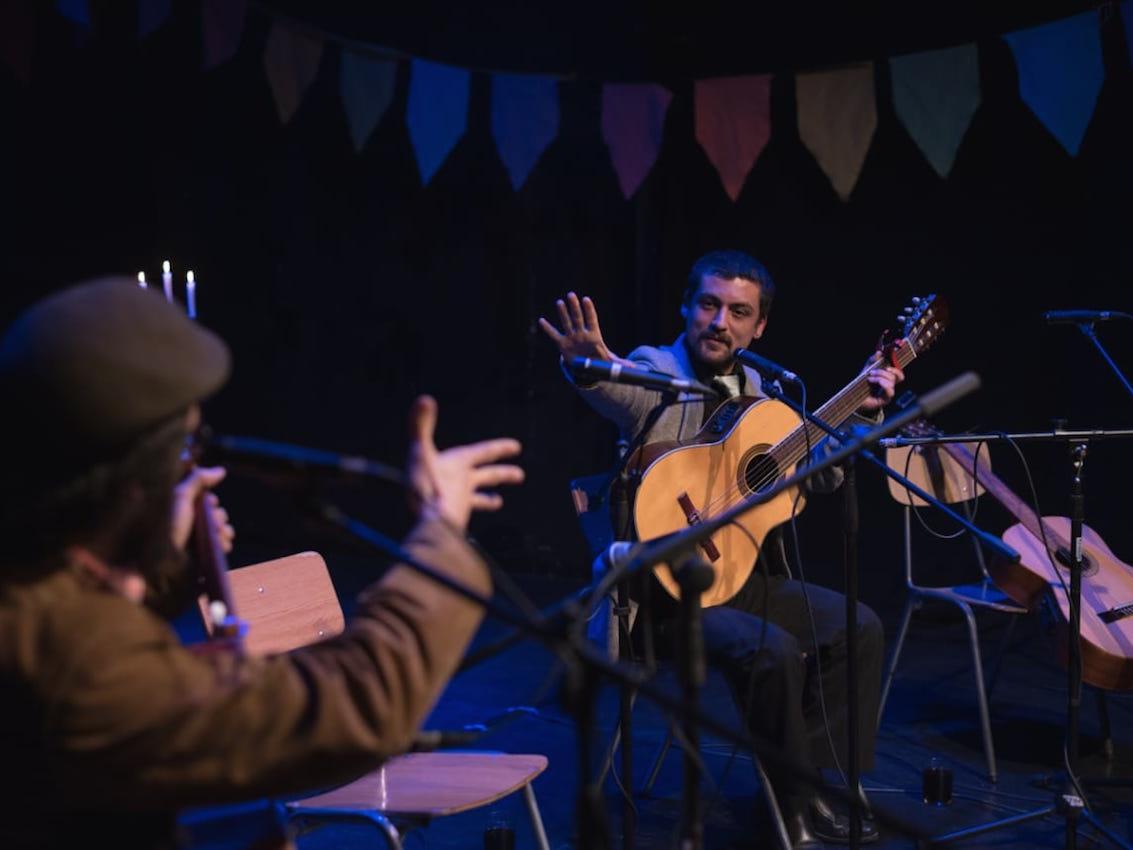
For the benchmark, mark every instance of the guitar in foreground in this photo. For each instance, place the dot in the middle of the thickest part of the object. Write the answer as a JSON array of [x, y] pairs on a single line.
[[1107, 582], [746, 447]]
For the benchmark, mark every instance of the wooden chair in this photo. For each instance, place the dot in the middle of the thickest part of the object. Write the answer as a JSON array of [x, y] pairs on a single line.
[[952, 484], [291, 602]]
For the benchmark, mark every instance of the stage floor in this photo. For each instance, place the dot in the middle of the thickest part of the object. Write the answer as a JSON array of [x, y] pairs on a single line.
[[931, 713]]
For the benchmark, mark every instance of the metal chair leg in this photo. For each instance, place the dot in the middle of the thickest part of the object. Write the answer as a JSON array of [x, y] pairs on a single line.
[[910, 604], [608, 758], [1003, 644], [383, 823], [777, 822], [977, 666], [536, 817], [1103, 721], [658, 761]]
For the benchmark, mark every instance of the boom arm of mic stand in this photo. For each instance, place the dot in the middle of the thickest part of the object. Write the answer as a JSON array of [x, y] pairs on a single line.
[[989, 540], [1087, 328]]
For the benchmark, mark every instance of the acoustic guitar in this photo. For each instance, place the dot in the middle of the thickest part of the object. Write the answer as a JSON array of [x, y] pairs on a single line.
[[1107, 582], [746, 447]]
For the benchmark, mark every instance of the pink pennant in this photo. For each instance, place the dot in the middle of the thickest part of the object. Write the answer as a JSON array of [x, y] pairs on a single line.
[[222, 25], [733, 125], [633, 119]]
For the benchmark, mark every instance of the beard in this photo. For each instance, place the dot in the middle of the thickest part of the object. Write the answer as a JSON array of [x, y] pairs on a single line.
[[715, 357], [145, 545]]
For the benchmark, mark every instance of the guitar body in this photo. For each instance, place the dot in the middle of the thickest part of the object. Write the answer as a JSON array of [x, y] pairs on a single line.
[[1107, 595], [727, 462]]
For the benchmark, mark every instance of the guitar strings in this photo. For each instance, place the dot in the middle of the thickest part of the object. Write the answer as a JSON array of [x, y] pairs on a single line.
[[769, 467]]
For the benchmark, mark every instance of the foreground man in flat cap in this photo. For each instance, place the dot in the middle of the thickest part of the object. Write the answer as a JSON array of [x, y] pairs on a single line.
[[109, 725]]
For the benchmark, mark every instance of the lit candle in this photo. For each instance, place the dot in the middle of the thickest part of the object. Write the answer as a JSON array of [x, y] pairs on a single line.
[[167, 280], [142, 280], [191, 294]]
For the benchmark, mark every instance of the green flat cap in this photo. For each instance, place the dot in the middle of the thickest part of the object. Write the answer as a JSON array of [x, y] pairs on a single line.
[[87, 371]]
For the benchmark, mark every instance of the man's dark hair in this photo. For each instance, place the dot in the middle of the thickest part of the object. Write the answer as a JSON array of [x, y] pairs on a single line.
[[729, 265]]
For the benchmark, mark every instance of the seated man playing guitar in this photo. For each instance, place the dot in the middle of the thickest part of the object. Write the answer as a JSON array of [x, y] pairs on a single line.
[[725, 308]]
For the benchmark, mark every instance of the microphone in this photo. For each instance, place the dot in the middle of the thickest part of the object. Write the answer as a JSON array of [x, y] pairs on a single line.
[[1066, 317], [284, 457], [767, 368], [604, 370]]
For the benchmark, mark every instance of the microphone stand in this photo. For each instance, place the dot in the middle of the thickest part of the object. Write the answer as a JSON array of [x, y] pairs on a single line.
[[1069, 803], [588, 664], [678, 548], [622, 483], [851, 524], [1087, 329]]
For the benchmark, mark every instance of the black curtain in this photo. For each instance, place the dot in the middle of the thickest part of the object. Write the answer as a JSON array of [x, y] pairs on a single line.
[[345, 287]]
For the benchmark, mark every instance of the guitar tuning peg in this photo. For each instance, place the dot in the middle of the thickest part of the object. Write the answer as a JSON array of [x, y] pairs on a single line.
[[916, 299]]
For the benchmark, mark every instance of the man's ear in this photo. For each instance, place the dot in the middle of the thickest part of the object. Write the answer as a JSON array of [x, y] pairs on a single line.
[[759, 329], [684, 309]]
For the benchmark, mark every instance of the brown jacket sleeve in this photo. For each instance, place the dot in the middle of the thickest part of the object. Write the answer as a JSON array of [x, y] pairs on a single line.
[[140, 721]]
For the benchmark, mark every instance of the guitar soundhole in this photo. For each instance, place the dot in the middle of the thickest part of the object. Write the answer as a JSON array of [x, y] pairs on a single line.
[[1089, 565], [758, 470]]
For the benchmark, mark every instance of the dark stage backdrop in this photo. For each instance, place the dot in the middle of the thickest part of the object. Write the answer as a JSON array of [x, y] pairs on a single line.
[[345, 287]]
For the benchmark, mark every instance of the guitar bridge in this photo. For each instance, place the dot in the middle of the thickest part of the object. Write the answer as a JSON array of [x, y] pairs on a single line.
[[692, 516]]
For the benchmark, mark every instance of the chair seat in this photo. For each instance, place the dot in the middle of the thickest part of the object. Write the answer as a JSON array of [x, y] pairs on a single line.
[[432, 784], [983, 594]]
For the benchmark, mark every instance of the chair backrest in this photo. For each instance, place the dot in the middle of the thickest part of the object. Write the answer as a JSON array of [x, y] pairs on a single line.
[[935, 471], [286, 603]]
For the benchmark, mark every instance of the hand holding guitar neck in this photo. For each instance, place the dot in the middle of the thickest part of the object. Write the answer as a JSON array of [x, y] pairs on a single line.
[[199, 519]]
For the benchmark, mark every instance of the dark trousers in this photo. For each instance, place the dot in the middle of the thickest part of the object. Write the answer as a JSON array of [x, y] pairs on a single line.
[[763, 643]]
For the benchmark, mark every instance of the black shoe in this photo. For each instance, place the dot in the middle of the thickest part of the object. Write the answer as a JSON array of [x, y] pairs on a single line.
[[835, 828]]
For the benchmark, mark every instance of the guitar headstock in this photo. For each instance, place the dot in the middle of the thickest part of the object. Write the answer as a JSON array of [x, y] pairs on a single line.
[[920, 428], [921, 324]]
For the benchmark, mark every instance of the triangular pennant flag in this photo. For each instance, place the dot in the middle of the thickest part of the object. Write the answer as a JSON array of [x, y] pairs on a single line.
[[837, 119], [1060, 74], [291, 61], [75, 11], [733, 125], [437, 113], [152, 14], [633, 119], [17, 36], [222, 25], [935, 95], [525, 119], [1126, 10], [366, 86]]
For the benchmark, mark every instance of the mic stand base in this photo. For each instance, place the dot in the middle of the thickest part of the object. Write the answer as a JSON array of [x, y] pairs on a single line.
[[1069, 804]]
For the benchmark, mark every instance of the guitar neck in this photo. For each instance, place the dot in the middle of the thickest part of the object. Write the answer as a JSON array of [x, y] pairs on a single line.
[[1018, 508], [793, 448]]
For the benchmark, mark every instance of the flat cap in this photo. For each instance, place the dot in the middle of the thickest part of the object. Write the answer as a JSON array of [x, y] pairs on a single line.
[[88, 370]]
